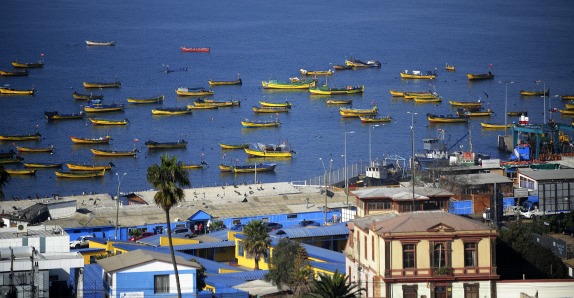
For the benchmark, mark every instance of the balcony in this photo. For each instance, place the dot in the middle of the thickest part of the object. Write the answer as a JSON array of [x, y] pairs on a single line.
[[442, 271]]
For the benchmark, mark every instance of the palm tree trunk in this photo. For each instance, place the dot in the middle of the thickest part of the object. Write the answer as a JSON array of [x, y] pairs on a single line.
[[172, 253], [256, 264]]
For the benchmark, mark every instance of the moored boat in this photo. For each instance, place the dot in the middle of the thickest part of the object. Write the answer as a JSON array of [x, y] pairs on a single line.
[[285, 104], [427, 99], [100, 43], [567, 97], [196, 50], [89, 167], [417, 75], [157, 99], [35, 149], [100, 140], [233, 146], [194, 166], [42, 165], [275, 84], [494, 126], [569, 106], [96, 106], [339, 101], [375, 119], [517, 113], [247, 123], [465, 103], [57, 116], [315, 72], [449, 67], [17, 172], [80, 174], [12, 91], [269, 150], [210, 102], [39, 64], [221, 83], [116, 84], [11, 160], [433, 118], [260, 167], [196, 91], [473, 113], [342, 67], [270, 109], [346, 113], [100, 121], [566, 112], [14, 73], [166, 145], [326, 90], [30, 137], [90, 96], [224, 167], [202, 107], [116, 153], [412, 95], [171, 111], [480, 76], [355, 63], [534, 92]]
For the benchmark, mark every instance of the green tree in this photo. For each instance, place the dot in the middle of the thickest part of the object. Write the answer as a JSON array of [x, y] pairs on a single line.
[[256, 241], [289, 265], [199, 277], [168, 178], [336, 286], [4, 178]]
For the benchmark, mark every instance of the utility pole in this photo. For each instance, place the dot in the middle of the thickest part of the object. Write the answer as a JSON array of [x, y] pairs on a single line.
[[118, 202]]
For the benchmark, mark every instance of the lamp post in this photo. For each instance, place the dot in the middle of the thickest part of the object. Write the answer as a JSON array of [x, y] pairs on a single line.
[[413, 153], [370, 128], [346, 179], [325, 178], [118, 202]]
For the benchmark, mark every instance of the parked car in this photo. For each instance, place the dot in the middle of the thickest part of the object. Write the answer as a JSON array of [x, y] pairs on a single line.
[[143, 235], [272, 226], [182, 232], [306, 223], [81, 242]]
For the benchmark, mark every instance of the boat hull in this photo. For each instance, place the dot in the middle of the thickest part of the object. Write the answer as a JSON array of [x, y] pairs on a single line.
[[170, 112], [10, 91], [273, 84], [42, 165], [223, 83], [367, 119], [20, 172], [266, 167], [261, 153], [166, 145], [348, 113], [98, 121], [255, 124], [494, 126], [232, 147], [101, 140], [158, 99], [482, 76], [113, 153], [80, 175], [410, 76], [32, 137], [102, 85], [17, 64], [81, 167]]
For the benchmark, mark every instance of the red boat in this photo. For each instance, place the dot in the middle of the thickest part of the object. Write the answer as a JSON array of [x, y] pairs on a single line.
[[201, 50]]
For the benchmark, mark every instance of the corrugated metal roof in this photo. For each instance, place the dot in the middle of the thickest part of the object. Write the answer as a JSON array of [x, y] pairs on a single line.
[[138, 257], [205, 245], [541, 175], [222, 281], [323, 231], [390, 192], [331, 267], [324, 254], [247, 275], [485, 178]]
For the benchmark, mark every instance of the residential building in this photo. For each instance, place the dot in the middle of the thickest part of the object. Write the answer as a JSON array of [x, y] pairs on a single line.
[[383, 200], [554, 188], [422, 254]]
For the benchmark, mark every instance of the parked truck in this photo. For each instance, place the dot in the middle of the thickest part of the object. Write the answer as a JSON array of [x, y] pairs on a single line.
[[530, 208]]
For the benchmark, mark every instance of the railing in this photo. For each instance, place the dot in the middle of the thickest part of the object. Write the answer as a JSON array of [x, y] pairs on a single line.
[[334, 177]]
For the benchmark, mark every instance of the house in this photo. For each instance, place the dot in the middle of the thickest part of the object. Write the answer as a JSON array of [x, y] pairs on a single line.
[[382, 200], [554, 188], [147, 273], [423, 253]]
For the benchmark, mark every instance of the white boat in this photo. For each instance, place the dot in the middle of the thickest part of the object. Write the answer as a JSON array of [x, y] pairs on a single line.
[[100, 43]]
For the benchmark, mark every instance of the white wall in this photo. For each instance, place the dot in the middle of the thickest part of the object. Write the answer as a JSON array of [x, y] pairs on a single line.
[[545, 288]]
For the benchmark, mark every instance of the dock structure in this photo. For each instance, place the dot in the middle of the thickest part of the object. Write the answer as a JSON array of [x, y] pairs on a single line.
[[546, 141]]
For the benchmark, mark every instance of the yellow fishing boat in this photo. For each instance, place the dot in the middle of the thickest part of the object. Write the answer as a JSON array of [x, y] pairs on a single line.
[[465, 103], [469, 113], [42, 165], [220, 83], [20, 172], [12, 91], [417, 75], [285, 104], [275, 84], [233, 146], [495, 126], [375, 119], [210, 102], [412, 95], [197, 91], [260, 123], [569, 106], [271, 150], [270, 109], [224, 168], [339, 101], [99, 152], [38, 64], [192, 107], [449, 67], [480, 76], [90, 96], [158, 99], [427, 99], [32, 137], [315, 72], [325, 90], [14, 73], [116, 84], [100, 140], [567, 112], [517, 113], [346, 113], [194, 166], [534, 92], [35, 150], [82, 174], [100, 121], [171, 111], [567, 97], [88, 167], [432, 118]]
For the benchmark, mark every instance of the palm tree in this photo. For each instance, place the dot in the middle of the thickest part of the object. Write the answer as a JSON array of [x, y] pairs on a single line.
[[168, 178], [290, 266], [336, 286], [4, 178], [256, 241]]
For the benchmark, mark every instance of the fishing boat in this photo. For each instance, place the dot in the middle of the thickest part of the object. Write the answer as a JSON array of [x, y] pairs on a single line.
[[473, 113], [101, 121], [325, 90], [417, 75], [38, 64], [80, 174], [221, 83], [96, 106], [480, 76], [171, 111], [31, 137], [432, 118], [260, 123], [57, 116], [100, 43], [449, 67], [270, 150], [396, 93], [14, 73], [157, 99], [517, 113], [342, 67], [465, 103], [12, 91], [210, 102], [254, 168], [275, 84], [17, 172], [9, 153], [535, 92], [270, 109], [355, 63], [494, 126], [285, 104], [569, 106], [90, 96], [196, 91], [412, 95], [435, 152], [195, 50], [116, 153], [427, 99], [566, 112], [11, 160], [116, 84], [567, 97], [233, 146], [375, 119], [194, 166], [100, 140], [224, 168], [339, 101], [202, 107], [42, 165], [347, 113], [89, 167], [315, 72], [166, 145], [35, 149]]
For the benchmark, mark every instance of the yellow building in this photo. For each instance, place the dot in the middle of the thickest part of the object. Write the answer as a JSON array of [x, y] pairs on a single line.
[[422, 254]]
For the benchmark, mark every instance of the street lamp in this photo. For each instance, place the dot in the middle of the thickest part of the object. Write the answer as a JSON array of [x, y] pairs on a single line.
[[413, 153], [325, 178], [346, 179], [118, 202], [373, 127], [506, 106]]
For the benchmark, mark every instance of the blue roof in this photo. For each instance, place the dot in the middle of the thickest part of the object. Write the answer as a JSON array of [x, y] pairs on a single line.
[[205, 245], [151, 240], [222, 281], [324, 254], [222, 234], [247, 275], [300, 232], [331, 267], [200, 215], [81, 250]]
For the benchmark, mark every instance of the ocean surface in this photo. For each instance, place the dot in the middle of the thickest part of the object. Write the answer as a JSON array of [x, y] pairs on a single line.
[[521, 42]]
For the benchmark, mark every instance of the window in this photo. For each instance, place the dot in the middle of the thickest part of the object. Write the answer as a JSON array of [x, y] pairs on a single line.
[[365, 246], [410, 291], [439, 256], [292, 215], [161, 283], [373, 248], [470, 255], [470, 290], [240, 248], [409, 256], [379, 205]]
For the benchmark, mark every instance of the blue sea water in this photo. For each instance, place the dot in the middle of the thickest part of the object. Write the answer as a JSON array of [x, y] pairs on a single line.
[[519, 41]]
